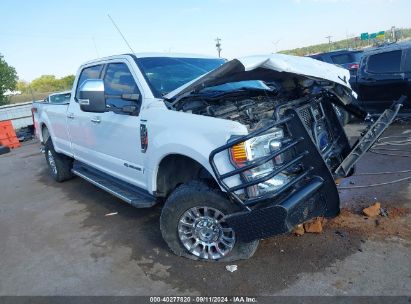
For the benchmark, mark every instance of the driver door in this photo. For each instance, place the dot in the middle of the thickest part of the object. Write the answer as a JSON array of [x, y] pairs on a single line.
[[113, 137]]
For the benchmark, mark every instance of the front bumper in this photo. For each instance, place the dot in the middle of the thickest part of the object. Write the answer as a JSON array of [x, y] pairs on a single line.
[[301, 206], [310, 193]]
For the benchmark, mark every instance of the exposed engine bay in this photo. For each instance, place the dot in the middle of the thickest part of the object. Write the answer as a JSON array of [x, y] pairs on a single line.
[[253, 107], [249, 105]]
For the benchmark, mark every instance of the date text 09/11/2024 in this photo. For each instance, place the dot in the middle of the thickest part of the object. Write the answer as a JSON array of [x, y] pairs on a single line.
[[203, 299]]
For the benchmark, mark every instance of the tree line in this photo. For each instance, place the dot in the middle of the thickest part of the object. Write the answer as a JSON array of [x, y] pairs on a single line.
[[354, 43], [45, 83], [9, 81]]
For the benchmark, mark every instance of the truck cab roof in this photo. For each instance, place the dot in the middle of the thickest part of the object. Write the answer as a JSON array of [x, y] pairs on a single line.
[[150, 54]]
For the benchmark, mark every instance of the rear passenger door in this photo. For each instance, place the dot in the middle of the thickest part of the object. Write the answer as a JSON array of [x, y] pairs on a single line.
[[380, 80]]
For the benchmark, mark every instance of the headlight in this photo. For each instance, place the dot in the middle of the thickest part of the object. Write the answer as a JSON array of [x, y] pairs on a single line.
[[257, 147]]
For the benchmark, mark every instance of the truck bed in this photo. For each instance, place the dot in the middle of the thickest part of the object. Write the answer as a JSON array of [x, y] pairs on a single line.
[[46, 114]]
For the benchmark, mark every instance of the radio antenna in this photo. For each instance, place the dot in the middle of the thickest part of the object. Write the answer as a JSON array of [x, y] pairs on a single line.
[[121, 34]]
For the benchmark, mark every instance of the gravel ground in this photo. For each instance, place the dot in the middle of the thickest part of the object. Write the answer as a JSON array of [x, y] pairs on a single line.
[[56, 240]]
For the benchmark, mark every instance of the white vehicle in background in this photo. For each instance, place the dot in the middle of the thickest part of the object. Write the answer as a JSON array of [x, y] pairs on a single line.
[[59, 98], [238, 151]]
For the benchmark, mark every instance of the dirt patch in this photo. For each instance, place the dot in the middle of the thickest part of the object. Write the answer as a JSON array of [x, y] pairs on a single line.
[[396, 224], [394, 212]]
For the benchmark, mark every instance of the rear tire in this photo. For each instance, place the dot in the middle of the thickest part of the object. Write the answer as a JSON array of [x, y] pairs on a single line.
[[59, 164], [208, 228]]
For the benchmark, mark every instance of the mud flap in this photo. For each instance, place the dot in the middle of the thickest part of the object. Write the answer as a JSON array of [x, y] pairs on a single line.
[[369, 138]]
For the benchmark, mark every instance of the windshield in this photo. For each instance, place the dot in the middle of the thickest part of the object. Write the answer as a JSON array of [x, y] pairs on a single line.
[[347, 57], [239, 85], [165, 74], [358, 56]]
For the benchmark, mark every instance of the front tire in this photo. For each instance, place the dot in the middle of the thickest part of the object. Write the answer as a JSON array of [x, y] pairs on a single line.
[[192, 224], [59, 164]]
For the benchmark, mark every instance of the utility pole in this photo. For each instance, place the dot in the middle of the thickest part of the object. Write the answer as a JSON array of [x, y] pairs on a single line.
[[329, 41], [393, 34], [218, 46], [347, 39]]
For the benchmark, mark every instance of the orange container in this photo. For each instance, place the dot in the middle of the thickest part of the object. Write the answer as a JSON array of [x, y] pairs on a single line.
[[7, 135], [5, 123], [11, 145]]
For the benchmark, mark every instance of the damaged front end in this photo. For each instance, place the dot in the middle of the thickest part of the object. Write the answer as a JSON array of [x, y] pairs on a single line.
[[295, 146], [298, 184]]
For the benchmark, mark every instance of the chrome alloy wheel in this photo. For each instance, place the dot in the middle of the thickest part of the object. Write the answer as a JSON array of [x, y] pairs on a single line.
[[52, 162], [204, 233]]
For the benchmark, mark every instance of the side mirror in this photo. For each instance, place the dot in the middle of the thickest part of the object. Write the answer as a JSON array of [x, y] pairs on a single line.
[[92, 96]]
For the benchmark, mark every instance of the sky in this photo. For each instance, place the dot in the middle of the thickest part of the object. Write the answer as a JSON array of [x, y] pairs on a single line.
[[55, 37]]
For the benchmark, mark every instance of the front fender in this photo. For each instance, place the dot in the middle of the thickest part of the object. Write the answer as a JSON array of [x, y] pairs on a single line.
[[189, 135]]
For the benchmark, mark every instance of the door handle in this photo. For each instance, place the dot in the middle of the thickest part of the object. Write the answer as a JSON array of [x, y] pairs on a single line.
[[96, 119], [70, 115]]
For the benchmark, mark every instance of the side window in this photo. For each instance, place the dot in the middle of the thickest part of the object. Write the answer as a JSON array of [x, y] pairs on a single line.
[[118, 80], [407, 67], [60, 98], [92, 72], [389, 62], [341, 59]]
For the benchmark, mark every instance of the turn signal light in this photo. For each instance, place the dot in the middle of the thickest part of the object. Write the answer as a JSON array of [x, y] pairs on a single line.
[[239, 154]]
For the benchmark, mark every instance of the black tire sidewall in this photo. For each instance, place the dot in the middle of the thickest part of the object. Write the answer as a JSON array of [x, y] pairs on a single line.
[[63, 163], [4, 150], [196, 194], [49, 147]]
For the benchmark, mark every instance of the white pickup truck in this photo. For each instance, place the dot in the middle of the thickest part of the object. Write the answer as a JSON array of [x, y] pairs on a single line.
[[237, 151]]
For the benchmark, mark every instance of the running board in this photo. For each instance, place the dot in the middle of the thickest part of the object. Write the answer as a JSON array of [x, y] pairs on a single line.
[[130, 194], [370, 137]]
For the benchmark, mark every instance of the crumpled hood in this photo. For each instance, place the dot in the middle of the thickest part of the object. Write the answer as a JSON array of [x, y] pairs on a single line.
[[262, 68]]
